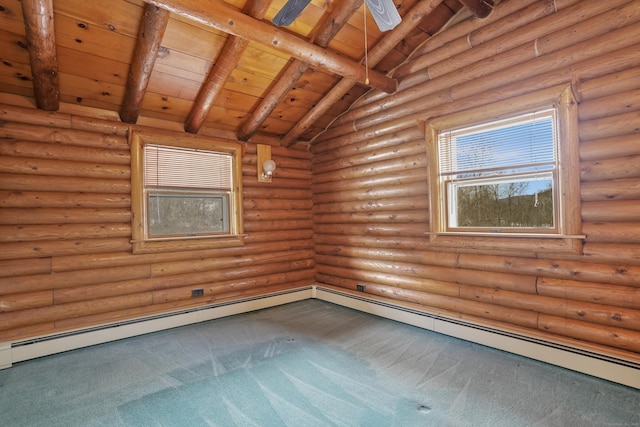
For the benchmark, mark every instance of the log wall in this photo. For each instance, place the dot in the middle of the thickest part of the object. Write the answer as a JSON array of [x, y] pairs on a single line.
[[370, 180], [65, 230]]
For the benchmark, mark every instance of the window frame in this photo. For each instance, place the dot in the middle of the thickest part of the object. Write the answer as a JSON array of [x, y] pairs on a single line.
[[494, 173], [566, 238], [141, 242]]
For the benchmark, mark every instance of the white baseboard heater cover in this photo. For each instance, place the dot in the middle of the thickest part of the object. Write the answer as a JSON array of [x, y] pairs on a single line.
[[614, 369], [56, 343], [622, 371]]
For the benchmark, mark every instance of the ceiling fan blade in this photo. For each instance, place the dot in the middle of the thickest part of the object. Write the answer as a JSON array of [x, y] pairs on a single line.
[[385, 14], [289, 12]]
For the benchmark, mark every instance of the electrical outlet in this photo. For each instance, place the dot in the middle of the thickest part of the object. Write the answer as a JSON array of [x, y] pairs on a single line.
[[361, 288], [197, 292]]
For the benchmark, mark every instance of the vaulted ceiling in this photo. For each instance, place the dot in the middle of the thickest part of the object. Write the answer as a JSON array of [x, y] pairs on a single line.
[[211, 63]]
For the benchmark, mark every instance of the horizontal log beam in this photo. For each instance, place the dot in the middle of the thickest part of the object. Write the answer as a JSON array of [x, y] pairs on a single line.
[[417, 162], [169, 283], [611, 211], [413, 216], [391, 152], [603, 86], [612, 232], [40, 167], [609, 169], [382, 242], [607, 127], [56, 312], [262, 237], [613, 252], [45, 133], [19, 182], [400, 177], [16, 216], [435, 302], [329, 151], [299, 224], [47, 199], [25, 301], [488, 279], [610, 105], [562, 269], [607, 335], [277, 214], [615, 189], [22, 233], [234, 22], [213, 291], [260, 192], [40, 282], [600, 293], [607, 148], [578, 310], [268, 204], [43, 150], [52, 248], [146, 310], [25, 267], [121, 259], [331, 201], [417, 200], [377, 230], [389, 254], [373, 281]]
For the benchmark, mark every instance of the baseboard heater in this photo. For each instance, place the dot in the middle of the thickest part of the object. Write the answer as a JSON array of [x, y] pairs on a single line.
[[623, 371], [19, 351]]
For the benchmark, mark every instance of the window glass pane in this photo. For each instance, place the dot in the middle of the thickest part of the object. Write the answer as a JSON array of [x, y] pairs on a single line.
[[187, 214], [500, 174], [519, 144], [516, 202]]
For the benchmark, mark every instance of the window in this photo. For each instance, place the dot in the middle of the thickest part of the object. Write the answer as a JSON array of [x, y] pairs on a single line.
[[507, 170], [500, 175], [185, 194]]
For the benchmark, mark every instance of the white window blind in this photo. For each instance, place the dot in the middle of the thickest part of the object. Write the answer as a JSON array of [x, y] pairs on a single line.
[[169, 167], [518, 144]]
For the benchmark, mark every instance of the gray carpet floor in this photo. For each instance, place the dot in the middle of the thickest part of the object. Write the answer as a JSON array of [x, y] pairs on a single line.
[[308, 363]]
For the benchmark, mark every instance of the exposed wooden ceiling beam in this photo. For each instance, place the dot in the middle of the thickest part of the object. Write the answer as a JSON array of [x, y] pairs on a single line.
[[480, 8], [41, 40], [221, 70], [231, 21], [324, 32], [411, 20], [152, 27]]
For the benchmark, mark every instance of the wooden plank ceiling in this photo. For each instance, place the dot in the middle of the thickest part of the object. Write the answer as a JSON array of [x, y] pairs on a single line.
[[215, 63]]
